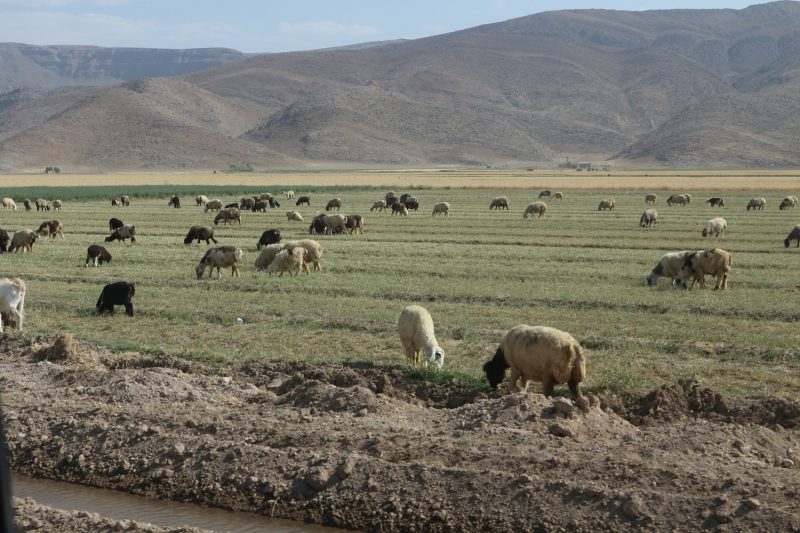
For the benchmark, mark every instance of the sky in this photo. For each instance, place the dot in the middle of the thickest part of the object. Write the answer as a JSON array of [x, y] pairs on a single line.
[[275, 26]]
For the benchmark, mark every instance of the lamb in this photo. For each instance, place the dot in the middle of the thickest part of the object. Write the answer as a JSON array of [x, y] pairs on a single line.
[[334, 224], [114, 223], [201, 199], [267, 255], [648, 218], [294, 216], [259, 207], [212, 205], [4, 238], [219, 258], [650, 198], [119, 293], [200, 233], [228, 215], [545, 194], [539, 353], [289, 261], [336, 203], [174, 201], [354, 223], [558, 196], [442, 208], [715, 226], [42, 205], [608, 203], [536, 208], [697, 265], [288, 194], [415, 326], [756, 203], [27, 204], [125, 200], [97, 255], [303, 200], [12, 302], [114, 202], [680, 199], [794, 235], [314, 249], [669, 266], [50, 228], [500, 202], [786, 203], [120, 234], [271, 236], [22, 240], [399, 208], [57, 205], [716, 201], [8, 203], [378, 205], [246, 203]]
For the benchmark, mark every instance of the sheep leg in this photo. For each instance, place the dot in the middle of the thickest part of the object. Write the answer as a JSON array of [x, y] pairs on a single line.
[[549, 385], [515, 375], [129, 309]]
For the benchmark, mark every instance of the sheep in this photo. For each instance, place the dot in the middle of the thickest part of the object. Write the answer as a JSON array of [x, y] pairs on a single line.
[[114, 202], [378, 205], [669, 266], [786, 203], [545, 194], [500, 202], [120, 234], [212, 205], [391, 200], [200, 233], [355, 223], [314, 249], [399, 208], [57, 205], [388, 196], [50, 228], [8, 203], [119, 293], [27, 204], [22, 240], [259, 207], [42, 205], [294, 216], [288, 194], [442, 208], [273, 203], [697, 265], [411, 203], [756, 203], [267, 255], [97, 255], [201, 199], [114, 223], [608, 203], [558, 196], [536, 208], [289, 261], [334, 224], [648, 218], [794, 235], [246, 203], [4, 238], [715, 226], [303, 200], [335, 203], [232, 205], [415, 327], [219, 258], [317, 225], [680, 199], [12, 302], [125, 200], [228, 215], [716, 201], [650, 198], [539, 353], [271, 236], [174, 201]]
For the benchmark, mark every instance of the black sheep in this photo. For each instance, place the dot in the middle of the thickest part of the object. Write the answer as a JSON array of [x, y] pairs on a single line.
[[317, 225], [232, 204], [259, 206], [411, 203], [3, 240], [174, 201], [114, 223], [303, 200], [119, 293], [271, 236], [200, 233], [273, 203]]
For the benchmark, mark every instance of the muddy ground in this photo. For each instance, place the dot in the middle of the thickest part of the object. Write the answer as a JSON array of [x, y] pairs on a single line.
[[360, 447]]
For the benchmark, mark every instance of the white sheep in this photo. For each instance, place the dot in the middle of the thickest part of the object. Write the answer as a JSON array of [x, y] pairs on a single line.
[[669, 266], [294, 216], [219, 258], [648, 218], [314, 249], [213, 205], [536, 208], [788, 202], [12, 301], [289, 261], [442, 208], [415, 326], [267, 255], [715, 226], [539, 353], [8, 203], [378, 205], [288, 194], [715, 262], [334, 224]]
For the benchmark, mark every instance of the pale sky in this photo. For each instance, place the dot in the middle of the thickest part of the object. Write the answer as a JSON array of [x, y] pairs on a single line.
[[275, 26]]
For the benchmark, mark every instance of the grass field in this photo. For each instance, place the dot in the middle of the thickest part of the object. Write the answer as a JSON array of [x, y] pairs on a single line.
[[479, 272]]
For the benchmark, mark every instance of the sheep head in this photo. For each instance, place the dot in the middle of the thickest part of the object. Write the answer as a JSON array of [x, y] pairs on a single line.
[[435, 355], [200, 269], [495, 368]]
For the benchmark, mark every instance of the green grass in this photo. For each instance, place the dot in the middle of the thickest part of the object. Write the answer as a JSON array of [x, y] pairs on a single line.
[[479, 272]]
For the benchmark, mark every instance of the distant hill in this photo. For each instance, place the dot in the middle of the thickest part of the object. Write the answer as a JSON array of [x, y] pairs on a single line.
[[675, 87]]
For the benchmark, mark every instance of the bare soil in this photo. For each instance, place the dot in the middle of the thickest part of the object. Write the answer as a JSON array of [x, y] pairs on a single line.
[[361, 447]]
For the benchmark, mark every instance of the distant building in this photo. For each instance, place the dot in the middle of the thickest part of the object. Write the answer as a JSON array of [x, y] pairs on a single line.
[[582, 165]]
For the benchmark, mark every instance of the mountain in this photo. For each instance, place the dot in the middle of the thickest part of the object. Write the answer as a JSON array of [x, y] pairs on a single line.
[[674, 87]]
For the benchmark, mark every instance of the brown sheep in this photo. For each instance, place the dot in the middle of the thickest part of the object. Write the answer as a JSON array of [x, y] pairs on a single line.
[[97, 255], [219, 258], [501, 202], [399, 208], [50, 228], [42, 205], [336, 203], [228, 215], [697, 265], [650, 198], [608, 203], [22, 240], [125, 200]]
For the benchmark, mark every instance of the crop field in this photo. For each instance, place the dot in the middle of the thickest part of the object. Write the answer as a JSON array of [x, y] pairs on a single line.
[[479, 272]]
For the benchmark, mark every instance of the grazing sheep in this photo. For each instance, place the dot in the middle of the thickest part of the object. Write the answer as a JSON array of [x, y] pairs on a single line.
[[715, 226], [399, 208], [756, 203], [121, 234], [271, 236], [259, 207], [680, 199], [317, 225], [50, 228], [411, 203], [336, 203], [267, 255], [42, 205], [4, 238], [786, 203], [388, 195], [294, 216], [558, 196], [794, 235], [415, 326], [650, 198], [8, 203], [442, 208], [119, 293], [669, 266], [501, 202], [545, 194], [212, 205], [273, 203], [697, 265], [27, 204], [334, 224], [12, 302], [648, 218], [536, 208], [288, 194], [608, 203], [114, 202], [125, 200], [174, 201], [114, 223], [391, 201], [289, 261], [228, 215], [378, 205], [246, 203], [22, 240], [539, 353], [716, 201], [201, 199], [354, 223], [314, 249], [303, 200], [97, 255], [57, 205], [200, 233], [231, 205], [219, 258]]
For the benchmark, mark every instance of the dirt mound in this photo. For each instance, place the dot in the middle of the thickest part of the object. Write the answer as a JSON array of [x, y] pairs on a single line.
[[325, 397], [63, 349], [678, 401]]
